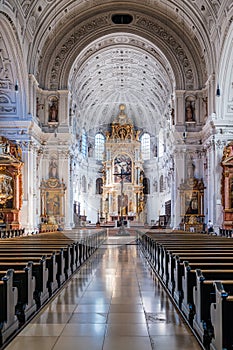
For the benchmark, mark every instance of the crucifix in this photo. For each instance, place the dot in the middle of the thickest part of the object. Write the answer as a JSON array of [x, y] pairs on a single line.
[[122, 175]]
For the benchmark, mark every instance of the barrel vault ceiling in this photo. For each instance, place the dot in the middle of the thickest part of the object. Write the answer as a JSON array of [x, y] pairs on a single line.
[[111, 52]]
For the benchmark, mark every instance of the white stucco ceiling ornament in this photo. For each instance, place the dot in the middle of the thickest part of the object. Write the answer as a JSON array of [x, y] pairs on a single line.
[[104, 64], [123, 72]]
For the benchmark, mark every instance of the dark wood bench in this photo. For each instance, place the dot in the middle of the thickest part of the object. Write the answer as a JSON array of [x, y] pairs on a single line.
[[69, 252], [176, 270], [62, 257], [26, 285], [47, 259], [215, 254], [221, 312], [203, 295], [51, 265], [195, 251], [8, 301], [189, 280], [39, 271]]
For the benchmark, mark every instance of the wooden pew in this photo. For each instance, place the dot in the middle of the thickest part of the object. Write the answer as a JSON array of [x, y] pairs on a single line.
[[189, 281], [39, 271], [51, 265], [25, 284], [69, 252], [216, 255], [176, 270], [195, 251], [203, 296], [62, 258], [222, 317], [66, 257], [8, 300]]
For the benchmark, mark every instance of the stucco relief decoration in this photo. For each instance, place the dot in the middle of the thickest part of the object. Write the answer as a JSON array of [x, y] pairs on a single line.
[[83, 31], [6, 75], [7, 105], [32, 24], [176, 48]]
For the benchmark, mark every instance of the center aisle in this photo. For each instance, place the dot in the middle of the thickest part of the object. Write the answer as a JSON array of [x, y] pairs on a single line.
[[114, 302]]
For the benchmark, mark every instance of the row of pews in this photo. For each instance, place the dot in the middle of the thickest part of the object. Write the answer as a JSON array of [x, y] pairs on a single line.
[[197, 271], [32, 269], [5, 233], [226, 232]]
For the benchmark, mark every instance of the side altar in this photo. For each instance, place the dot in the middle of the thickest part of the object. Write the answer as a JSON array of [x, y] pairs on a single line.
[[192, 203], [227, 186], [11, 188], [52, 204]]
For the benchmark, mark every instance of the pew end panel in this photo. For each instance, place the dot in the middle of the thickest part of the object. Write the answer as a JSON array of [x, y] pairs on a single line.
[[188, 282], [203, 296], [222, 318], [8, 297]]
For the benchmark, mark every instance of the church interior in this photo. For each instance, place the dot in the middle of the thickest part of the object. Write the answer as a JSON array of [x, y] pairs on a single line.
[[116, 125]]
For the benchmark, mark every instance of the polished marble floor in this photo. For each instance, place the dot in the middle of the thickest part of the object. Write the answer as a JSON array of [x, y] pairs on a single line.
[[114, 302]]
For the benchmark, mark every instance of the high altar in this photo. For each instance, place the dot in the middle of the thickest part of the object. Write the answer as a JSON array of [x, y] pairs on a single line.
[[123, 196]]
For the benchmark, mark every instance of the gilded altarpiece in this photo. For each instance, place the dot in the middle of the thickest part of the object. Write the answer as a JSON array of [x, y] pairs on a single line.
[[52, 204], [192, 204], [123, 172], [11, 188], [227, 186]]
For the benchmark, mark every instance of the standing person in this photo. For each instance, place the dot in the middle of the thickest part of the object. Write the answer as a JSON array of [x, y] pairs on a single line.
[[210, 227]]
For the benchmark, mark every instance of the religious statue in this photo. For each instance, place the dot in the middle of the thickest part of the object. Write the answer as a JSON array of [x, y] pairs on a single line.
[[53, 168], [141, 203], [53, 112], [137, 133], [189, 112], [190, 170]]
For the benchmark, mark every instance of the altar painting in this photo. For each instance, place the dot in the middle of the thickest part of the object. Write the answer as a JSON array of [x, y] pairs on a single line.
[[122, 168]]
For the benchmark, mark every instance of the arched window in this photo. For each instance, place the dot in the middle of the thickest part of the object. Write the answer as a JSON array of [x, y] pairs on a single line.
[[146, 185], [84, 143], [99, 186], [99, 146], [145, 146]]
